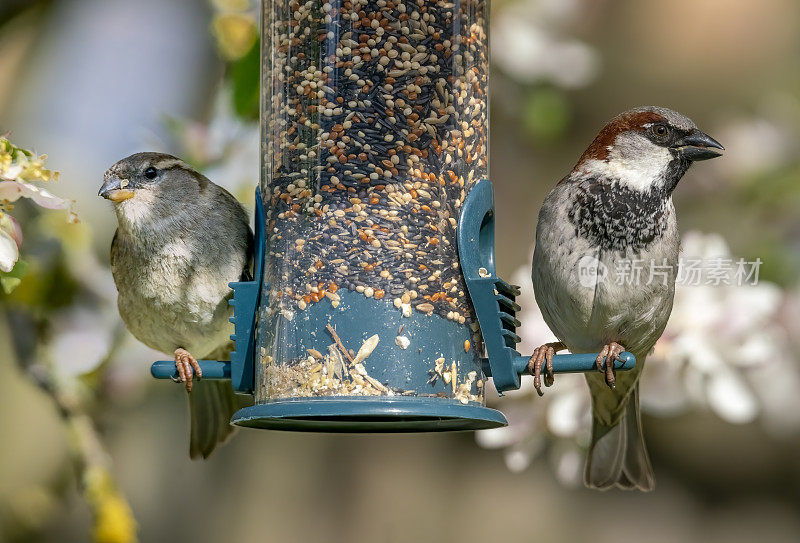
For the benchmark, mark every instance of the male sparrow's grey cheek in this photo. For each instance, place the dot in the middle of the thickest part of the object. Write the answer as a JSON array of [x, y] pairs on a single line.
[[612, 212]]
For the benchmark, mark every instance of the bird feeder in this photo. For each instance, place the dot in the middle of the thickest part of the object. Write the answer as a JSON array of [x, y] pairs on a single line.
[[376, 305]]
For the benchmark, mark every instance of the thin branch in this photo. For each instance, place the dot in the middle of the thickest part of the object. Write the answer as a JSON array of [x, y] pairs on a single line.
[[113, 518]]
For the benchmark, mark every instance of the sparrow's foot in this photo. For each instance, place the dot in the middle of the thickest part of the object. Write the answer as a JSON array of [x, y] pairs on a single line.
[[187, 368], [605, 362], [538, 358]]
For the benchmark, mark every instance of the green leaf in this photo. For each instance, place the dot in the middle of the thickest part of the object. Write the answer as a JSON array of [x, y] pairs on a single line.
[[11, 280], [245, 76]]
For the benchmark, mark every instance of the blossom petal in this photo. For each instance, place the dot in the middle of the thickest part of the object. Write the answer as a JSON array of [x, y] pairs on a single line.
[[14, 190], [9, 251], [569, 467], [517, 460], [12, 172], [10, 225], [731, 399], [565, 415]]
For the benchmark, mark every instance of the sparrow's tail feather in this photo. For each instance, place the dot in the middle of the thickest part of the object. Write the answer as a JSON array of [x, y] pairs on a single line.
[[211, 405], [618, 456], [637, 468], [604, 462]]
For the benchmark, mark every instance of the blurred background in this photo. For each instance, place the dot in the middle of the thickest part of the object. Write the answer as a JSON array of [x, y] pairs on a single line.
[[90, 446]]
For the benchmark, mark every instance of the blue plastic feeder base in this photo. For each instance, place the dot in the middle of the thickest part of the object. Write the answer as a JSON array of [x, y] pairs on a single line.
[[372, 414]]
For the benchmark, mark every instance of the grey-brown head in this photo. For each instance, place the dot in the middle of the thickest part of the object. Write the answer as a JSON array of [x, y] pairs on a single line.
[[146, 187]]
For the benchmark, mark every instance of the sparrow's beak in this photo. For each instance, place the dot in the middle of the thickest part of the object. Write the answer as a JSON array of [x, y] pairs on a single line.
[[698, 146], [114, 189]]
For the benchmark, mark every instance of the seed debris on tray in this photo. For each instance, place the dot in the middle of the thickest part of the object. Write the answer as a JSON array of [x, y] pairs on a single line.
[[322, 375]]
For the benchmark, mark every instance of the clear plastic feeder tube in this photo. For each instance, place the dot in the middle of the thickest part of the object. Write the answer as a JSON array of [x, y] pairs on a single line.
[[374, 128]]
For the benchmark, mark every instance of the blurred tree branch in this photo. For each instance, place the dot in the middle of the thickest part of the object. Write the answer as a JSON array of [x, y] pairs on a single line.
[[113, 518]]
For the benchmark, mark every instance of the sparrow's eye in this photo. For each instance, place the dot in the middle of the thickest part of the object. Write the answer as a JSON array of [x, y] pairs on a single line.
[[660, 131], [150, 173]]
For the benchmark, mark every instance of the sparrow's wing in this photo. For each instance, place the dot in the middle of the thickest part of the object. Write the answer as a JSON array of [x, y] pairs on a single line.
[[231, 211], [113, 255]]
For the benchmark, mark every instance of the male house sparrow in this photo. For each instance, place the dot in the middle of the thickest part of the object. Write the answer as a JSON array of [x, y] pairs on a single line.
[[181, 239], [612, 211]]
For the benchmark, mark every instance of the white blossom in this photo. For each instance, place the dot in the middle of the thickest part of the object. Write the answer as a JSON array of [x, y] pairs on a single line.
[[9, 251], [527, 45], [11, 191]]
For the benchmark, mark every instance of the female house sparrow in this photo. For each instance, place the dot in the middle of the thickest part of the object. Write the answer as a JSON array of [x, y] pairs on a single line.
[[612, 214], [181, 239]]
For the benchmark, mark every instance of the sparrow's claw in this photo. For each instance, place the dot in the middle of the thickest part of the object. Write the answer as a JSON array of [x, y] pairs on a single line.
[[605, 362], [543, 356], [598, 362], [188, 368], [549, 375]]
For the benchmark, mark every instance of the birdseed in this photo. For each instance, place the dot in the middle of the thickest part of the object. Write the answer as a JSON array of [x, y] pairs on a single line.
[[375, 131]]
